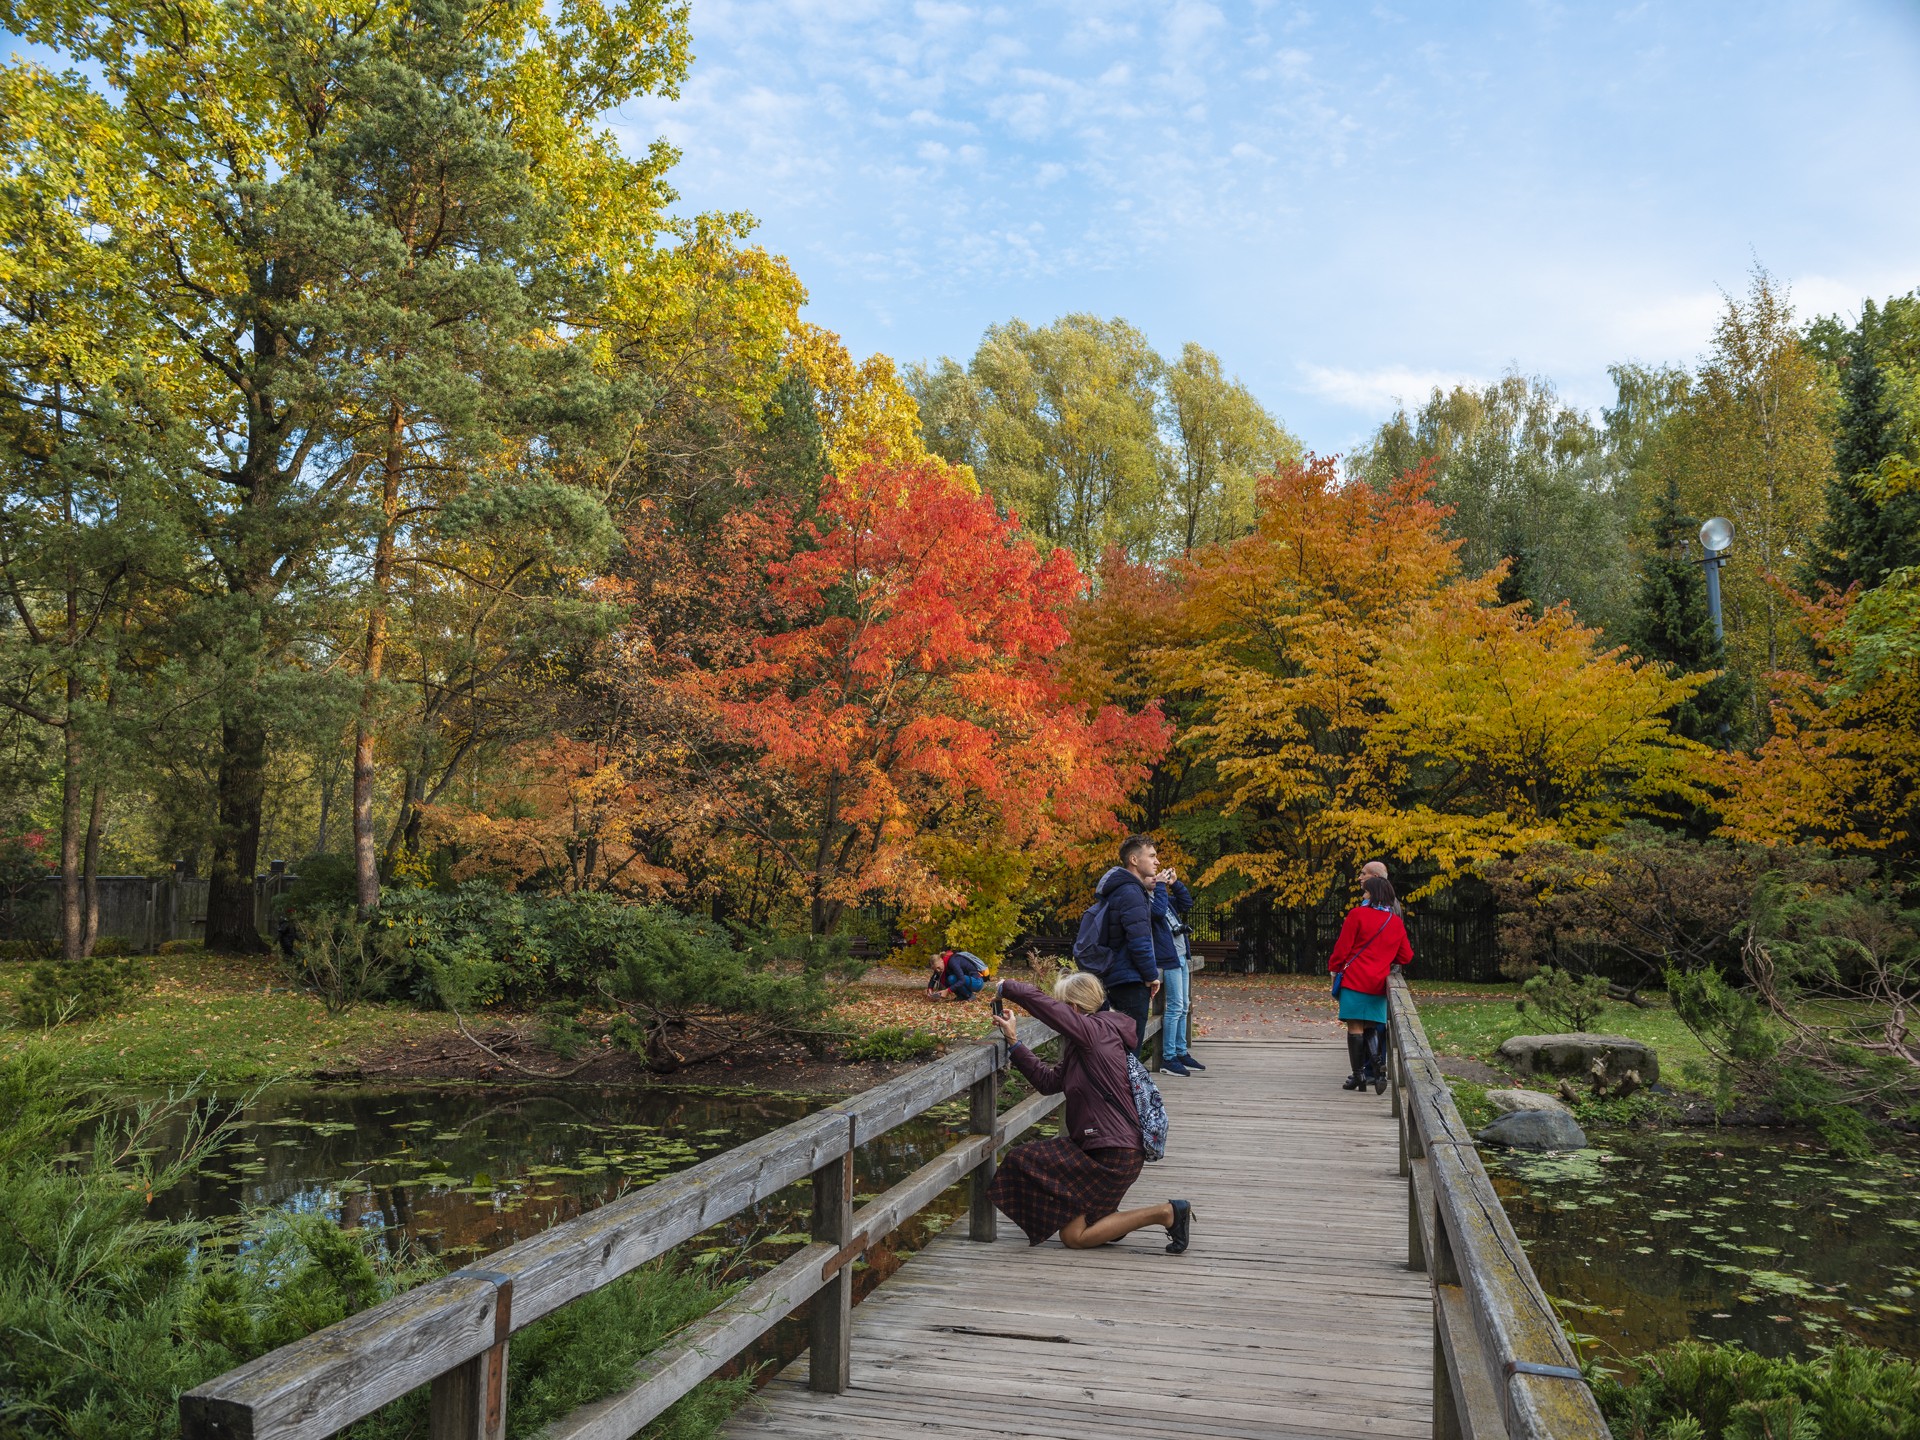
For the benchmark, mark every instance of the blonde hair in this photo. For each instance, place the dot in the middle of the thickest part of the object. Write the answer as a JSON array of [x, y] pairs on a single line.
[[1081, 990]]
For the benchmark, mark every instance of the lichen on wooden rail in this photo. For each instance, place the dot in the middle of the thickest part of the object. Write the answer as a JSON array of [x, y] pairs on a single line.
[[1503, 1366]]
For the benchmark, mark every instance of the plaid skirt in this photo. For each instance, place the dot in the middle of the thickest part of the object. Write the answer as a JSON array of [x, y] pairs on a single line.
[[1042, 1185]]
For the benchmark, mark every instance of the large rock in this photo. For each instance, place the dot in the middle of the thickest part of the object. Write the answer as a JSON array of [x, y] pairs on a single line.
[[1509, 1101], [1535, 1130], [1612, 1064]]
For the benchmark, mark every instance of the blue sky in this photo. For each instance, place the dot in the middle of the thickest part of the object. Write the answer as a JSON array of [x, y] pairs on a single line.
[[1348, 203]]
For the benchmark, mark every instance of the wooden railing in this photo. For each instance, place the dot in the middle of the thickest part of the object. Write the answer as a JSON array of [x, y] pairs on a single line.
[[1501, 1364], [453, 1333]]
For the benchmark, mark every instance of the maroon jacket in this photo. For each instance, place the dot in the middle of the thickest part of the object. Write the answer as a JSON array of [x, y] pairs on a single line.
[[1093, 1048]]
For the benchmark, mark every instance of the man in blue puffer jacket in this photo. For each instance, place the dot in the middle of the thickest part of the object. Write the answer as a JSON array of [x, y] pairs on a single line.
[[1132, 974]]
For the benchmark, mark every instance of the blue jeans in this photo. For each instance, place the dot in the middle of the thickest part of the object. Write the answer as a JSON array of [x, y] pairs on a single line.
[[1173, 1025]]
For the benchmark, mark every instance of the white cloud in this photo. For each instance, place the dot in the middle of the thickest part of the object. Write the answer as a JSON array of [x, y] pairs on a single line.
[[1382, 388], [1349, 208]]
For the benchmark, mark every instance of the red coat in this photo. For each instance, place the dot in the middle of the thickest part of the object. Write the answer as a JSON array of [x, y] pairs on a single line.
[[1370, 942]]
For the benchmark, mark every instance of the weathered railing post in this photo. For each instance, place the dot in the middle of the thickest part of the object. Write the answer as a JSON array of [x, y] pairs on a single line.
[[830, 1312], [1393, 1086], [983, 1112], [469, 1402]]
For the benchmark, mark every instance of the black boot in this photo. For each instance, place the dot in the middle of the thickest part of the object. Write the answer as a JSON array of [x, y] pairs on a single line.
[[1357, 1058], [1377, 1058]]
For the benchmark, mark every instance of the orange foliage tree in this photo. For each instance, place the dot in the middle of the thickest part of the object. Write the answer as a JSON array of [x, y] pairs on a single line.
[[905, 688], [1842, 766], [1281, 633], [569, 818]]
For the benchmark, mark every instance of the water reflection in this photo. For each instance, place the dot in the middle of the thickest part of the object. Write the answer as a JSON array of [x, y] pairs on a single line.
[[1748, 1236], [460, 1171]]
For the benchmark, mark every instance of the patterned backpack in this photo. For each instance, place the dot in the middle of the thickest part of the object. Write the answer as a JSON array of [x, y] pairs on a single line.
[[1148, 1108]]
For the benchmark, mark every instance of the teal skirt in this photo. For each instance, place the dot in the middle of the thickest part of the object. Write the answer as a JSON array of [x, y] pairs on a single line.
[[1356, 1006]]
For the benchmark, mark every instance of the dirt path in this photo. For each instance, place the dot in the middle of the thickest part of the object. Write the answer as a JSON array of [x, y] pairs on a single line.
[[1263, 1007]]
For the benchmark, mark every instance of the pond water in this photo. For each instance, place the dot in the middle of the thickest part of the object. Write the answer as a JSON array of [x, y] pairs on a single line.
[[1644, 1239], [1750, 1236], [460, 1171]]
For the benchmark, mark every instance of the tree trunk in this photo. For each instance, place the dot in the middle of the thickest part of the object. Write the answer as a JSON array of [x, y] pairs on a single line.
[[821, 913], [72, 831], [90, 873], [366, 857], [241, 788]]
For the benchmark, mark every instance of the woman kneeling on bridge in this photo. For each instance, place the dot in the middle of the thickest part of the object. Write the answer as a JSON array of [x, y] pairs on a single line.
[[1074, 1183]]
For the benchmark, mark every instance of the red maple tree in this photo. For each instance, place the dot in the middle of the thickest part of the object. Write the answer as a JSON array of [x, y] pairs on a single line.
[[905, 687]]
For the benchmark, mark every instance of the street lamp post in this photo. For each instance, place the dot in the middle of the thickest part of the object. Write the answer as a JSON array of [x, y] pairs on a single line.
[[1716, 538]]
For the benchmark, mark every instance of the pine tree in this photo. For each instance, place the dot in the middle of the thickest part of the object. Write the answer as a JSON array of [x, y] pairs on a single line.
[[1671, 624], [1864, 538]]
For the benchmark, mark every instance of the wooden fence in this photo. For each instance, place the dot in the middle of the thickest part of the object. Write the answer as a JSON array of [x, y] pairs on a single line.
[[1501, 1363], [138, 909], [453, 1333]]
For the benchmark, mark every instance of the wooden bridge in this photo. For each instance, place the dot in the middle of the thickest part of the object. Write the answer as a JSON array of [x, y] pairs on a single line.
[[1352, 1274]]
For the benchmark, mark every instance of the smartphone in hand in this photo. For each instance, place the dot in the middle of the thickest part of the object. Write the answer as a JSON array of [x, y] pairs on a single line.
[[999, 1008]]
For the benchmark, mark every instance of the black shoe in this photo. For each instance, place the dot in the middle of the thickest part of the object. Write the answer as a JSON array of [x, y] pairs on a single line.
[[1181, 1228], [1174, 1066], [1353, 1082], [1380, 1082], [1191, 1063]]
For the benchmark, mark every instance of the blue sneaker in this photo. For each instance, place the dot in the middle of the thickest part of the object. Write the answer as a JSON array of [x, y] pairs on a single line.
[[1173, 1067], [1191, 1063]]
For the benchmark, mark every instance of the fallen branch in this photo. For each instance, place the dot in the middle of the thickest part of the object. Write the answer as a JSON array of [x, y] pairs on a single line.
[[515, 1064]]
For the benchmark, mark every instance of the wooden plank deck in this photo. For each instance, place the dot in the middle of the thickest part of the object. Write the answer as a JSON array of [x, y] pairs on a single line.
[[1293, 1315]]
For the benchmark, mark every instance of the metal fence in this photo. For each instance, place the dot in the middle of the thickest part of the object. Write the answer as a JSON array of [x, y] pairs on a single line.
[[1455, 935]]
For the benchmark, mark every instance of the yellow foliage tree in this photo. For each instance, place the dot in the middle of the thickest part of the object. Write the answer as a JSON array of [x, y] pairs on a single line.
[[866, 411], [1502, 729], [1283, 632], [1752, 443], [1842, 766]]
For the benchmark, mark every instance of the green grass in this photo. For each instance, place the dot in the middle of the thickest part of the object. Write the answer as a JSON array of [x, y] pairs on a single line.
[[1476, 1029], [230, 1019]]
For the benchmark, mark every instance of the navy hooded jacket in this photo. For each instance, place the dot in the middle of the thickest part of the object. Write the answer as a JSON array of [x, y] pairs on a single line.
[[1129, 929], [1169, 906]]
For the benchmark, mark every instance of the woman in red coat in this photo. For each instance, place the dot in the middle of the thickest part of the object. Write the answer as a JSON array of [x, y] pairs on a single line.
[[1371, 943]]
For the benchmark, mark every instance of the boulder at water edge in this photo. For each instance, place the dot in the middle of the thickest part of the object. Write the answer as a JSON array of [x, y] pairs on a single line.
[[1619, 1064], [1508, 1101], [1535, 1130]]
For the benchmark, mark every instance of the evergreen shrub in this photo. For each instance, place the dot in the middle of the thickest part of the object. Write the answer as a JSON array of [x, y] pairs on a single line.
[[1566, 1000], [1696, 1391], [59, 990]]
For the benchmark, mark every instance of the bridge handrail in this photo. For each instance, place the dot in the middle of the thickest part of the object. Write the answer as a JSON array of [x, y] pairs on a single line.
[[453, 1332], [1502, 1364]]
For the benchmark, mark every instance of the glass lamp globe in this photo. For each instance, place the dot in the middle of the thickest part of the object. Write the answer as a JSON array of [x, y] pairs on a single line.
[[1716, 535]]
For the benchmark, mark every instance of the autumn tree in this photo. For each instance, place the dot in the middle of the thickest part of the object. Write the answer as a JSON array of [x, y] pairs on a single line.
[[1058, 422], [1527, 480], [1284, 632], [903, 689], [220, 126], [91, 556], [1841, 764], [1502, 729], [1751, 444]]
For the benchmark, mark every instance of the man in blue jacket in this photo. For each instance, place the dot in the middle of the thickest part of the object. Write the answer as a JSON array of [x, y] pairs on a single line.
[[1132, 974], [1169, 900]]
